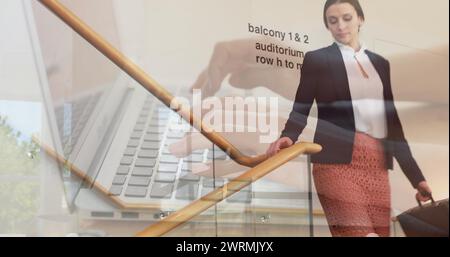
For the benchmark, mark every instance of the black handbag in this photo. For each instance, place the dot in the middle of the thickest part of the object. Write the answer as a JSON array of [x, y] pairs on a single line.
[[428, 220]]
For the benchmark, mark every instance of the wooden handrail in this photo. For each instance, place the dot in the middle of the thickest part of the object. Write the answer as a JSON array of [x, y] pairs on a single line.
[[147, 82], [287, 154], [195, 208], [261, 164]]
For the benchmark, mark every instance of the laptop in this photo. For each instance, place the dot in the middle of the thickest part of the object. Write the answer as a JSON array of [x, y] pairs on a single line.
[[118, 134]]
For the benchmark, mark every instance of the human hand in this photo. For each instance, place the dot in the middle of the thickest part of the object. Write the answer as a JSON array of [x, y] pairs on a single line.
[[228, 168], [249, 129], [248, 143], [423, 192], [237, 58], [276, 146], [248, 126]]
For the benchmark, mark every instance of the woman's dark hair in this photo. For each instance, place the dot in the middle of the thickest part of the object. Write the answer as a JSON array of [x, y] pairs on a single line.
[[354, 3]]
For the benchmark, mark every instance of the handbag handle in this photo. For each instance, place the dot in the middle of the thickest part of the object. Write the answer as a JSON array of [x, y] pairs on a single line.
[[420, 203]]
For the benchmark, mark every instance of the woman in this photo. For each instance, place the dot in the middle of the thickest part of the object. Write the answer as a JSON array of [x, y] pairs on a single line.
[[358, 128]]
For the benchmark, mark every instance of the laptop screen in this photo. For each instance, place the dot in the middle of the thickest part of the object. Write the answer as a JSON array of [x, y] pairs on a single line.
[[78, 75]]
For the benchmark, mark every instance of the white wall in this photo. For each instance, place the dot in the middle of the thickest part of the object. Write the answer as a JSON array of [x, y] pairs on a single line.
[[18, 76], [131, 25]]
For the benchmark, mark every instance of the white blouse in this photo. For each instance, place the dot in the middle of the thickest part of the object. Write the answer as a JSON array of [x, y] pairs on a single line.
[[367, 93]]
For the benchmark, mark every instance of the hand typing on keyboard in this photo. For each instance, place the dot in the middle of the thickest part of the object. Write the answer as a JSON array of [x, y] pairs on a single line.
[[237, 59], [247, 142]]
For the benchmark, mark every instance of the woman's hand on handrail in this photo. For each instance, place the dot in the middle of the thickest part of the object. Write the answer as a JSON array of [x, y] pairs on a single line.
[[276, 146]]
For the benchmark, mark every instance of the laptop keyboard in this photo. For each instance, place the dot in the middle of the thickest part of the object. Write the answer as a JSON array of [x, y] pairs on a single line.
[[71, 119], [148, 170]]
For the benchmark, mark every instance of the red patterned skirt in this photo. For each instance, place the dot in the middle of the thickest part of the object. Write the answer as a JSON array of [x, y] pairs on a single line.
[[356, 197]]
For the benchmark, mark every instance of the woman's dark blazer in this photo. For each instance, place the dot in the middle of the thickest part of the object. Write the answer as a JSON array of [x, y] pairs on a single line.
[[324, 79]]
